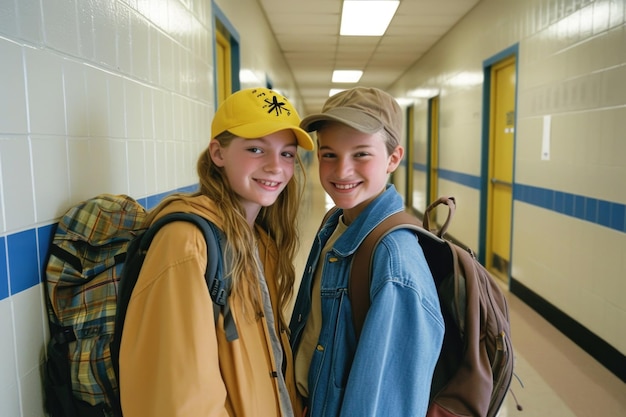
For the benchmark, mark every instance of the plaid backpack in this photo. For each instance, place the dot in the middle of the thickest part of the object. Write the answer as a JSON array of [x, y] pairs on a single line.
[[87, 259], [83, 269]]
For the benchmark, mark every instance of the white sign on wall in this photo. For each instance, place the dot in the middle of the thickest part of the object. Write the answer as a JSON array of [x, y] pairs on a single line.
[[545, 142]]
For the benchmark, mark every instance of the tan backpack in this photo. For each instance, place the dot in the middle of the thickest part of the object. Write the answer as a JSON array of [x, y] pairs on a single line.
[[475, 366]]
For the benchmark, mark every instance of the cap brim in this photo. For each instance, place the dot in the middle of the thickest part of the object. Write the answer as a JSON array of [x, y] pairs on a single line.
[[258, 130], [354, 118]]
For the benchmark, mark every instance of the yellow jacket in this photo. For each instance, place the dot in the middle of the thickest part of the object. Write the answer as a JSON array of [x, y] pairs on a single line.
[[173, 360]]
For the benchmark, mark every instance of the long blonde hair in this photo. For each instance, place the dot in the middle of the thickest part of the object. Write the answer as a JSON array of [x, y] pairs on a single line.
[[279, 221]]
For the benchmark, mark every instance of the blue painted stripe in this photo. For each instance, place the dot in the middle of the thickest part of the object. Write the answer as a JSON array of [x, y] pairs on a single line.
[[419, 167], [23, 261], [602, 212], [471, 181], [4, 277]]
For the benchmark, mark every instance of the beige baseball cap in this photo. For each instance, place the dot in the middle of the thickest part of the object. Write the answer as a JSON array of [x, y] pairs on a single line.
[[365, 109]]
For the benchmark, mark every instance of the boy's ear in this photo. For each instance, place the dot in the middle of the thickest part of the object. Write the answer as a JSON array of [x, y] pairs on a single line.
[[395, 158], [215, 152]]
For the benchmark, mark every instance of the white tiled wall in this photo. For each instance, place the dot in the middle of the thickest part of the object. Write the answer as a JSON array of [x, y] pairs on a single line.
[[571, 66], [100, 96]]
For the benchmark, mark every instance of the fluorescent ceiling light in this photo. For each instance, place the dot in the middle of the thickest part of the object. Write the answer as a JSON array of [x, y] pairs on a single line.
[[346, 76], [248, 76], [366, 17], [423, 93], [405, 101], [466, 79], [334, 91]]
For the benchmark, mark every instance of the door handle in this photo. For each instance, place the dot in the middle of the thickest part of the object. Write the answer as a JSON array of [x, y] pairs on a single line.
[[496, 181]]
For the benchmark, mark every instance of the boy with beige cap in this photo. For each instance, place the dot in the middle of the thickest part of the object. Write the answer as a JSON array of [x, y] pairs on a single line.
[[387, 369]]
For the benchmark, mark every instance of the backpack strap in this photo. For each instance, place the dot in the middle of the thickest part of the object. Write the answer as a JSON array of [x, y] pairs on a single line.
[[329, 213], [448, 201], [219, 287], [361, 267]]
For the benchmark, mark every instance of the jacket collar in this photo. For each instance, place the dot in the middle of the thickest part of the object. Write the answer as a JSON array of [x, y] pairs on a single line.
[[386, 204]]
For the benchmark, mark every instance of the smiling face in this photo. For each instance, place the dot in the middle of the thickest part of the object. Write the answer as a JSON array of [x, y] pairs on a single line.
[[258, 170], [354, 166]]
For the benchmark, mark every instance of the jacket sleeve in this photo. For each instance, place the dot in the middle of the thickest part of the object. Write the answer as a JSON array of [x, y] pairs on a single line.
[[400, 341], [169, 355]]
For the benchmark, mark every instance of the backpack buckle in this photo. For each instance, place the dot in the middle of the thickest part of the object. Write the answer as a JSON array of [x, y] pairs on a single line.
[[218, 292]]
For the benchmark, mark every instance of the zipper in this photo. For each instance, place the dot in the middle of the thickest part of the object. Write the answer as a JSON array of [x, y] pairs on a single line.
[[502, 358]]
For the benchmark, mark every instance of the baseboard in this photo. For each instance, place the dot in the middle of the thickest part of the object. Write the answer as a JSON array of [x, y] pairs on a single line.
[[600, 350]]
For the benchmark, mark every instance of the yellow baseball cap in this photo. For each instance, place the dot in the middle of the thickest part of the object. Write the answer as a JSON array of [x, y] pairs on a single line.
[[256, 112]]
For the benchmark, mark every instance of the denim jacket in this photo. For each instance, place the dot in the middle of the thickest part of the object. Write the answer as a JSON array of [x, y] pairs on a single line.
[[389, 371]]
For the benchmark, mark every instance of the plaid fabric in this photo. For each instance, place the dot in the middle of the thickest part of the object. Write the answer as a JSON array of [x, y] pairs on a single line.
[[82, 273]]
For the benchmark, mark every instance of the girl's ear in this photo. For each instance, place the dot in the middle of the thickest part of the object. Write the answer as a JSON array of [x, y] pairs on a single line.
[[215, 152], [395, 158]]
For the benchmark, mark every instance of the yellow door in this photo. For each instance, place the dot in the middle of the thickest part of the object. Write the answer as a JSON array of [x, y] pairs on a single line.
[[502, 142], [410, 111], [433, 174], [222, 66]]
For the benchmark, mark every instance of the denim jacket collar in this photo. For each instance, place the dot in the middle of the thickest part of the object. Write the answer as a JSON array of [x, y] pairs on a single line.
[[386, 204]]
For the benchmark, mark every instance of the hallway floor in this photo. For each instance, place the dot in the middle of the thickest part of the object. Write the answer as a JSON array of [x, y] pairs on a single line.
[[555, 377]]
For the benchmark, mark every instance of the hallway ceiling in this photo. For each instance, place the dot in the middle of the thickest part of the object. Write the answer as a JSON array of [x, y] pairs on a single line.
[[307, 32]]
